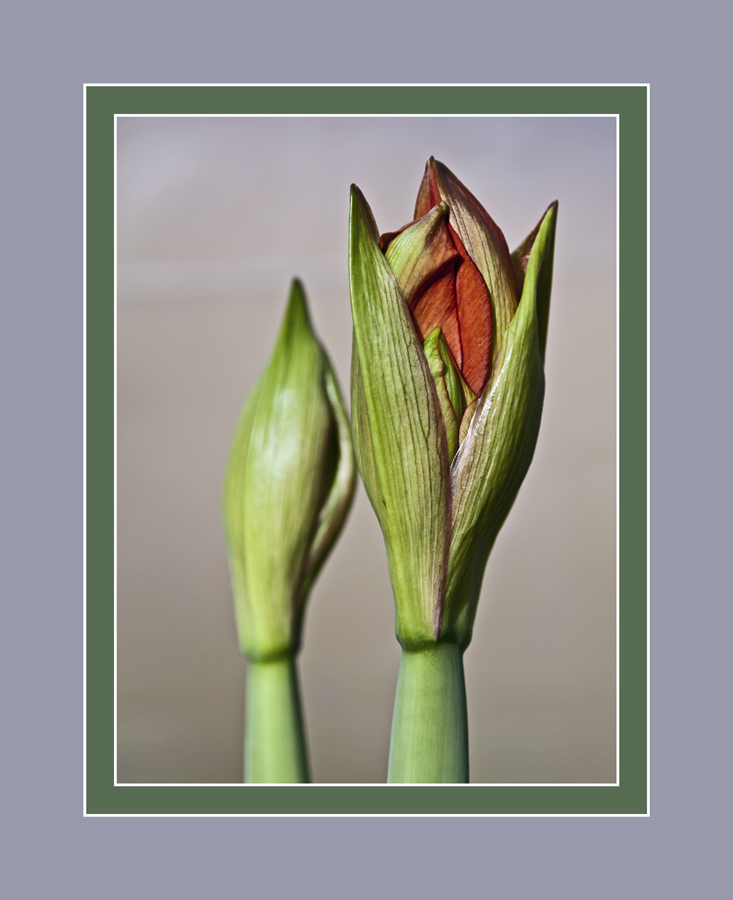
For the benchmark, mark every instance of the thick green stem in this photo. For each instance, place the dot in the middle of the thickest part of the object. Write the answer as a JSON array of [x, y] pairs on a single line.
[[274, 738], [430, 726]]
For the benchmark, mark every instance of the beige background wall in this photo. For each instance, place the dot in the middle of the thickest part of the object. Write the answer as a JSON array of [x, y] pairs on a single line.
[[214, 218]]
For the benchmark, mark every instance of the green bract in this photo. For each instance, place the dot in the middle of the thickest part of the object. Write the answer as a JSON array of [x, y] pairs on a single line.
[[288, 486], [447, 390]]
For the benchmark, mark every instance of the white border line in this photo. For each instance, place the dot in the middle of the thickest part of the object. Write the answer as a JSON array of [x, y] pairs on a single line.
[[366, 116], [370, 84], [400, 116], [115, 450], [618, 598], [618, 451], [84, 457], [648, 451]]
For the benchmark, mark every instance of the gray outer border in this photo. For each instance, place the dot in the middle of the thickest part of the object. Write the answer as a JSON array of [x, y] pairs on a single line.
[[678, 851]]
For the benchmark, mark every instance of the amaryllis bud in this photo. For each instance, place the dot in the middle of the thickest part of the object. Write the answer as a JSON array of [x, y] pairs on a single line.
[[447, 391], [288, 486]]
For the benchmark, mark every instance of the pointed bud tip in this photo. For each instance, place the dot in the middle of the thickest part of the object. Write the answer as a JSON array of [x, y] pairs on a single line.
[[361, 215], [437, 166], [549, 217], [296, 287], [550, 211], [296, 321], [357, 198], [296, 298]]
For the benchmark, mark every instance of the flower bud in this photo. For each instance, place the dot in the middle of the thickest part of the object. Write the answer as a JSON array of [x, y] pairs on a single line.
[[447, 391], [288, 486]]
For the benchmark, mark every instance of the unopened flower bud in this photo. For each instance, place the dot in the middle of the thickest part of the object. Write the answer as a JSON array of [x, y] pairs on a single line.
[[288, 486]]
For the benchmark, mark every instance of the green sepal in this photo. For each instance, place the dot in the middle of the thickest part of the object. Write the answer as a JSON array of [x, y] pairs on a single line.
[[398, 432], [493, 460], [361, 431], [287, 487], [520, 259]]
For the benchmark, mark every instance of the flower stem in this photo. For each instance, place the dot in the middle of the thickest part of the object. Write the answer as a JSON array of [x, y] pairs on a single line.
[[274, 737], [430, 726]]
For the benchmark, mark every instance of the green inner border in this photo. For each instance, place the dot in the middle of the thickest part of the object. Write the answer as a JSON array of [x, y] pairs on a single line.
[[630, 797]]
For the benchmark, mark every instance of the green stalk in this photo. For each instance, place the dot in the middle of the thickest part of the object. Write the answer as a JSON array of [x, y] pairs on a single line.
[[274, 738], [430, 725]]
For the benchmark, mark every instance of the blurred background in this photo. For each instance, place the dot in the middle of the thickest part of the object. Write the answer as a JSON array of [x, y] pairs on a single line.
[[215, 216]]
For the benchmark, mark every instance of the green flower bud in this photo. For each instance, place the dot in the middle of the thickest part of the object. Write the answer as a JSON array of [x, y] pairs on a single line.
[[447, 391], [288, 486]]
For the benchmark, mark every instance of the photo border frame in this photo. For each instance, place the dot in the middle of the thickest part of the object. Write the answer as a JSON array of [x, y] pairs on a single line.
[[630, 104]]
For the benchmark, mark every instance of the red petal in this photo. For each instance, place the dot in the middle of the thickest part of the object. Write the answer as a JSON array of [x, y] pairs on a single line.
[[475, 318], [476, 324], [437, 306]]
